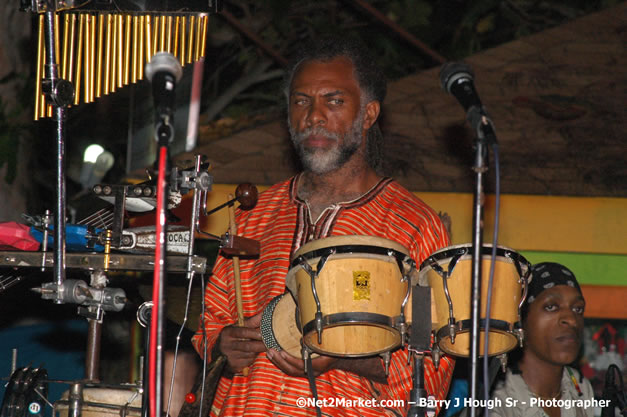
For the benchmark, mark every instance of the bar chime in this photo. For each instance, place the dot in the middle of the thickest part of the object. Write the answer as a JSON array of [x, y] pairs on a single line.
[[100, 52]]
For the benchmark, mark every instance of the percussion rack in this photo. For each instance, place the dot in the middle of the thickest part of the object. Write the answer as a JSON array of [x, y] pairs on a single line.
[[102, 50]]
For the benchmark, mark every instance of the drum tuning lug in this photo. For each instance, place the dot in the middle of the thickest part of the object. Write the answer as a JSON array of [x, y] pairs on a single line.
[[402, 328], [319, 326], [520, 334], [435, 357], [452, 332], [503, 359], [386, 362], [305, 353]]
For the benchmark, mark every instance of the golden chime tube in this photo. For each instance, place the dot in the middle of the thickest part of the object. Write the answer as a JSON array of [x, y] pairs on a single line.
[[101, 22], [136, 41], [190, 43], [162, 32], [107, 65], [168, 46], [114, 52], [66, 39], [87, 57], [177, 25], [203, 36], [120, 47], [155, 38], [127, 48], [39, 98], [94, 49], [148, 39], [79, 58], [198, 34], [70, 66], [57, 43], [183, 31], [140, 51]]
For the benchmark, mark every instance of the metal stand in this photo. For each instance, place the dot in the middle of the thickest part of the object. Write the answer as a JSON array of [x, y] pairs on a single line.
[[59, 94], [419, 344], [418, 393], [485, 134]]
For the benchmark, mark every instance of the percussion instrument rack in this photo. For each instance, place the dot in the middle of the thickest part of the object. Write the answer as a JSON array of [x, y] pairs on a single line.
[[107, 40]]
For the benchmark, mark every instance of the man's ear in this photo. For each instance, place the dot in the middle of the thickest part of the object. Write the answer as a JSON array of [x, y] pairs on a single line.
[[372, 113]]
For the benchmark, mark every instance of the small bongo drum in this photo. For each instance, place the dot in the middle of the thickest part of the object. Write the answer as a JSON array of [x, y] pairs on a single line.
[[448, 272]]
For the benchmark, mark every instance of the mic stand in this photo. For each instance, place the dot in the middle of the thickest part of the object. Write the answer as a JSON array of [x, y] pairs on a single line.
[[165, 134], [418, 392], [485, 136], [421, 404], [59, 94]]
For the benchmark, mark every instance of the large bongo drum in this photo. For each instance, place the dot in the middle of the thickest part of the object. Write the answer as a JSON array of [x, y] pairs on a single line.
[[449, 272], [351, 294]]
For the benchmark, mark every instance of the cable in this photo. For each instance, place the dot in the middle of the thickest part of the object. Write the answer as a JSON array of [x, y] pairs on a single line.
[[497, 207]]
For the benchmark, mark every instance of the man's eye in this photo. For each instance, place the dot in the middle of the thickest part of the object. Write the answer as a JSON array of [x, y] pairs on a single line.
[[550, 307], [336, 101], [579, 309], [300, 102]]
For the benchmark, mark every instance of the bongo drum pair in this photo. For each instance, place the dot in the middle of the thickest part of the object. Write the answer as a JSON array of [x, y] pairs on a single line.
[[350, 296]]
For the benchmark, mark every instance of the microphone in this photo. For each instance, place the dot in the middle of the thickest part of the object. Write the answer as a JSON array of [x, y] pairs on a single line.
[[164, 71], [457, 79]]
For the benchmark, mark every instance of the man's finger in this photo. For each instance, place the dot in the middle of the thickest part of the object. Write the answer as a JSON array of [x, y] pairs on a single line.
[[254, 321], [248, 346], [243, 333]]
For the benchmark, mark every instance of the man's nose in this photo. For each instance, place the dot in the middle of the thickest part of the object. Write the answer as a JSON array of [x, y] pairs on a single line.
[[316, 115], [568, 316]]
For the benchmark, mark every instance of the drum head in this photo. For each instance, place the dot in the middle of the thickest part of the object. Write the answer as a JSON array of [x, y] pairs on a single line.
[[348, 240], [348, 246], [464, 251], [279, 327]]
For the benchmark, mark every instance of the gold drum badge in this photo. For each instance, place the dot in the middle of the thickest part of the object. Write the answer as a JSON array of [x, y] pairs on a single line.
[[361, 285]]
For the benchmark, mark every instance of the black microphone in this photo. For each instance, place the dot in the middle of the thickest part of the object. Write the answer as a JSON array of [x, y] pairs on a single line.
[[164, 71], [457, 79]]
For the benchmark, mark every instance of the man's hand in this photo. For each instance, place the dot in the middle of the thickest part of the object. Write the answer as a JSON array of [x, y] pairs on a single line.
[[296, 367], [370, 367], [241, 345]]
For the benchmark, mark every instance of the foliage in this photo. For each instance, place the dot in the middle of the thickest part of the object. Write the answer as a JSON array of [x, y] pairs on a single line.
[[453, 28], [9, 142]]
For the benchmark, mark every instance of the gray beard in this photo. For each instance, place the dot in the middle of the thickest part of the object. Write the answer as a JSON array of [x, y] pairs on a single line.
[[320, 161]]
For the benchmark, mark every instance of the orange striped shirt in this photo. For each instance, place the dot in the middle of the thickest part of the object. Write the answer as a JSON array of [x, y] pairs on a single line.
[[282, 224]]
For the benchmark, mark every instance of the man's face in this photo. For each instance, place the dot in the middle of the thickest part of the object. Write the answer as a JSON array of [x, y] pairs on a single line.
[[554, 325], [326, 119]]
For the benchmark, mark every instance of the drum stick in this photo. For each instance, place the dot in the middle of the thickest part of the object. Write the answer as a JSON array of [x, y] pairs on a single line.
[[236, 274]]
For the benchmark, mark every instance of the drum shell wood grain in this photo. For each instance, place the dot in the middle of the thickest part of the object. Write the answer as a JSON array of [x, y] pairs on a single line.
[[507, 292], [337, 292]]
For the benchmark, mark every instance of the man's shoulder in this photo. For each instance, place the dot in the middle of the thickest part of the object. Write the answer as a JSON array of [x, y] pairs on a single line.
[[397, 192], [279, 190]]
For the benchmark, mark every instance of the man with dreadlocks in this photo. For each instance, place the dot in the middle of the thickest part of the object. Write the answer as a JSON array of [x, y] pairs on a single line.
[[334, 92]]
